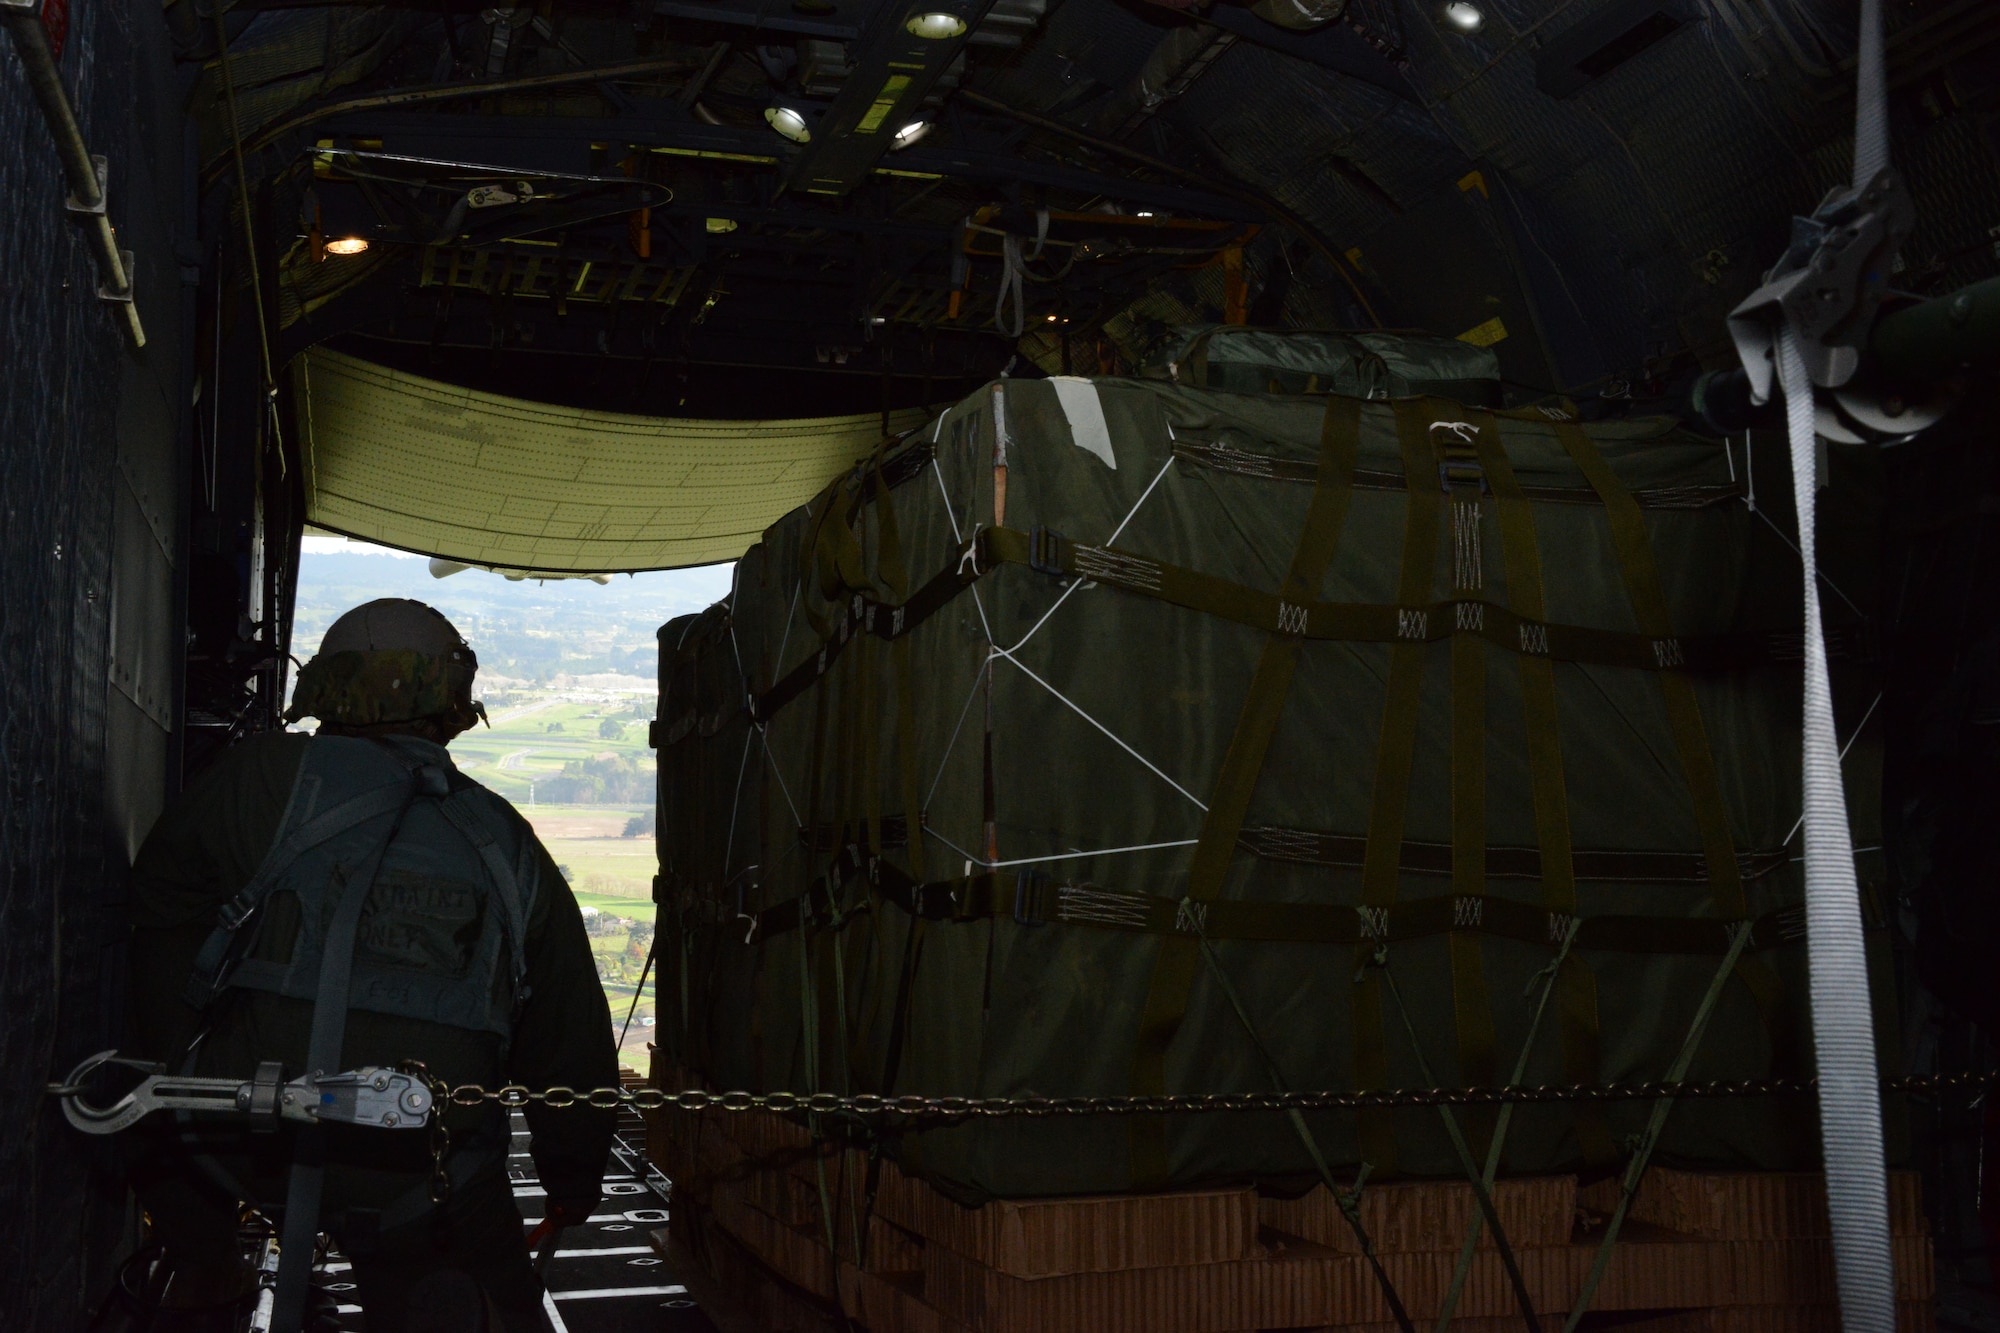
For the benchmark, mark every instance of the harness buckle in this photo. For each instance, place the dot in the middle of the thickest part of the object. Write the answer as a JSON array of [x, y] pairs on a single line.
[[263, 1103], [235, 912], [1045, 550]]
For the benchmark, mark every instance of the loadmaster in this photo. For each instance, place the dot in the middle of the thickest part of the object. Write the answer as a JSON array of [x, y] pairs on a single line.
[[350, 899]]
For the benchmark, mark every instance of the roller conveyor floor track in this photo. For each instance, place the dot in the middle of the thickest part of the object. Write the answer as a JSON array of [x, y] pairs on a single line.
[[605, 1277]]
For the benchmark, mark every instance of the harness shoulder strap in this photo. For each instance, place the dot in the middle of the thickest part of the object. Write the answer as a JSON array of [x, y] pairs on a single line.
[[478, 822], [329, 1032], [225, 943]]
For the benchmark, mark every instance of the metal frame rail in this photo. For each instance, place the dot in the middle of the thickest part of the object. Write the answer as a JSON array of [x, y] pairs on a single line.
[[86, 172]]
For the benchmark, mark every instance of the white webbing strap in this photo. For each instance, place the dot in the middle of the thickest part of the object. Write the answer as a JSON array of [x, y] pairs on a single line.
[[1871, 100], [1850, 1108]]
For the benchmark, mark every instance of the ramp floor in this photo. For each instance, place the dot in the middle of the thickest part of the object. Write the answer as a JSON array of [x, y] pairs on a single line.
[[605, 1276]]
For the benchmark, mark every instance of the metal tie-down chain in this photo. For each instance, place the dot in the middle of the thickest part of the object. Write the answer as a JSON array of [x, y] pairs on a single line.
[[514, 1096], [366, 1097]]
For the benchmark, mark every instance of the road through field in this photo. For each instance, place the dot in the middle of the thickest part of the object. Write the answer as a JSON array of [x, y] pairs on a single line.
[[510, 714]]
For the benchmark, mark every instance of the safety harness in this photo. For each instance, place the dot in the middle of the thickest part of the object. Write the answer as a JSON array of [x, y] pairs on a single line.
[[334, 862]]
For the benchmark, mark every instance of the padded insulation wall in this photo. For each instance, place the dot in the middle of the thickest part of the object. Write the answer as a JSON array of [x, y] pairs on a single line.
[[410, 462], [90, 485]]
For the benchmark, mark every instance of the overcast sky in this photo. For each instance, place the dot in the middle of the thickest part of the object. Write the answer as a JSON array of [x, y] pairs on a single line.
[[680, 587]]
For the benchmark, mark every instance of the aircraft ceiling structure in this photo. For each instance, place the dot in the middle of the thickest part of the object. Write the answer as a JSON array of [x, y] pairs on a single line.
[[674, 205], [726, 210], [394, 458]]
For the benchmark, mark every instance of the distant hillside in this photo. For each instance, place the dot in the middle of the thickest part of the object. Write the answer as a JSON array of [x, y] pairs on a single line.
[[525, 631]]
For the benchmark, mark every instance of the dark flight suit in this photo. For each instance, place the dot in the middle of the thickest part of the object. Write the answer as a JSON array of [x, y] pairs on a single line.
[[199, 854]]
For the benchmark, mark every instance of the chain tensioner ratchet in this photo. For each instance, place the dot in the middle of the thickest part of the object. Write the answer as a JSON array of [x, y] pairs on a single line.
[[370, 1096]]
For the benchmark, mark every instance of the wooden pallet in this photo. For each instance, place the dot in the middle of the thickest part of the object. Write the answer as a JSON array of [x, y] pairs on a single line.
[[775, 1217]]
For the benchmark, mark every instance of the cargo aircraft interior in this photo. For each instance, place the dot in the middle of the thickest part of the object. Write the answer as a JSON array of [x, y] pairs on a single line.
[[1356, 688]]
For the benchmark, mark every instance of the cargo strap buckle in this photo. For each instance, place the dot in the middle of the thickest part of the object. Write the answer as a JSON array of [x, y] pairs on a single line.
[[1455, 469], [1045, 550], [1031, 897]]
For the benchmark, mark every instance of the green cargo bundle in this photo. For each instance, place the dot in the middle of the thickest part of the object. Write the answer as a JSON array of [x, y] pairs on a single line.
[[1359, 364], [1111, 737]]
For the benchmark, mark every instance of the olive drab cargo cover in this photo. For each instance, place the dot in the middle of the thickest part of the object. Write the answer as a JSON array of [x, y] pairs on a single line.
[[1027, 736], [1361, 364]]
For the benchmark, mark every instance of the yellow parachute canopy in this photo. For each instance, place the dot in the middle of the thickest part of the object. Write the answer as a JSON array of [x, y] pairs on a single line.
[[486, 480]]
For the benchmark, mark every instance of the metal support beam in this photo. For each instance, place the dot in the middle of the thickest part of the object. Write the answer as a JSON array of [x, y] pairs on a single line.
[[85, 172], [494, 139], [1940, 338], [896, 63]]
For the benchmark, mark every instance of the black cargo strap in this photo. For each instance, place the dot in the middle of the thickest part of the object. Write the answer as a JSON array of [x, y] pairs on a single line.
[[1347, 622], [1036, 898], [865, 615]]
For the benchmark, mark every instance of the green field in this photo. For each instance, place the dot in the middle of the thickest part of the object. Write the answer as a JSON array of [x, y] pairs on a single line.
[[606, 870], [613, 874], [524, 746]]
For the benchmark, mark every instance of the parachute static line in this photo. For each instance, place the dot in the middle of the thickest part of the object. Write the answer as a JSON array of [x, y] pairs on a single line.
[[370, 1096], [1803, 331]]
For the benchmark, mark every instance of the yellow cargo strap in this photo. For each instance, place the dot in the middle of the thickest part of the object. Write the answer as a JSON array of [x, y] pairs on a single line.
[[1395, 756], [1649, 606], [1236, 783], [1464, 481], [896, 575], [1573, 984]]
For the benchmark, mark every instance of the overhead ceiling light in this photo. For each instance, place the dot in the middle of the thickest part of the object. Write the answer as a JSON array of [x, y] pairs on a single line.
[[1464, 16], [910, 133], [936, 25], [717, 226], [789, 123], [347, 245]]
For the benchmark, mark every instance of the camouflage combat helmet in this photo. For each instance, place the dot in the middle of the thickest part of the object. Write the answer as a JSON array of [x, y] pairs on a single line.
[[390, 660]]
